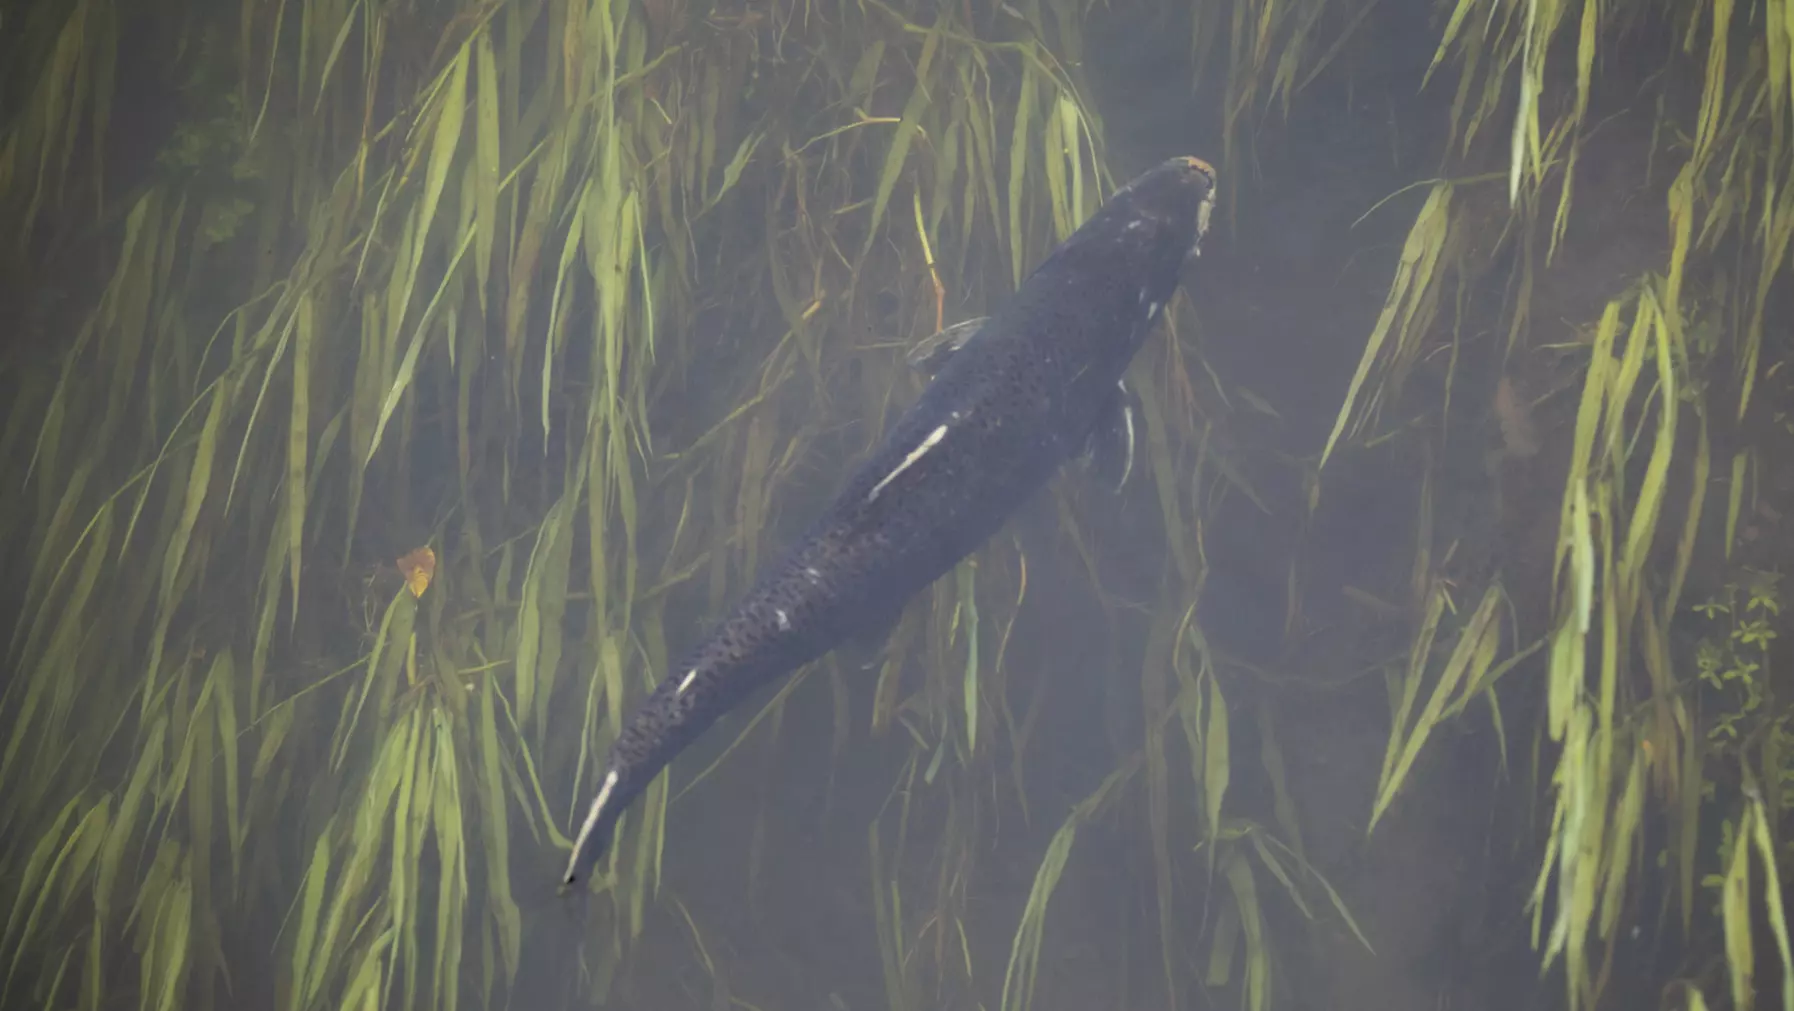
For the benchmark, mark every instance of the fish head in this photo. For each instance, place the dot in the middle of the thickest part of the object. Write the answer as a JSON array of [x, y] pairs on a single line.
[[1172, 203]]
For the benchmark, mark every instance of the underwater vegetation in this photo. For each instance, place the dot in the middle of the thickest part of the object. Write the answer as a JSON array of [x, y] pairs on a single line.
[[392, 391]]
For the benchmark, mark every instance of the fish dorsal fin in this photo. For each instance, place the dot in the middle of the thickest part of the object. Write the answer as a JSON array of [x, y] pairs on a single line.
[[1109, 449], [931, 353]]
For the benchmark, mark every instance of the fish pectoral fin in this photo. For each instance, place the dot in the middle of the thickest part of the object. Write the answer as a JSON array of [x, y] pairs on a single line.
[[931, 353], [1109, 450]]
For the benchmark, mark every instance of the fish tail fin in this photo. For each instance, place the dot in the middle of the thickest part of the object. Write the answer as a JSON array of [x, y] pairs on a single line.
[[595, 833]]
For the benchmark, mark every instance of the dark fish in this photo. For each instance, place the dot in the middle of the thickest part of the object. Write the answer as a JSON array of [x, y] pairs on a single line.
[[1012, 398]]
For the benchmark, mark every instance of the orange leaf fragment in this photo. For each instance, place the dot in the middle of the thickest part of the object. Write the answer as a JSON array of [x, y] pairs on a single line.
[[417, 567]]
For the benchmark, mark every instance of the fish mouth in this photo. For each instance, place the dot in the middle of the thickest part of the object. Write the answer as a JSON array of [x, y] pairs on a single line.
[[1200, 167], [1205, 209]]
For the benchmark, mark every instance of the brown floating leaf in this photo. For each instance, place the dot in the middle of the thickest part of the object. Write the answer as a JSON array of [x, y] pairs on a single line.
[[417, 567]]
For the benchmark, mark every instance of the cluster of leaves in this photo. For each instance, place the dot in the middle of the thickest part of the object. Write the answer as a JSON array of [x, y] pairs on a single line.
[[1617, 710], [1732, 661]]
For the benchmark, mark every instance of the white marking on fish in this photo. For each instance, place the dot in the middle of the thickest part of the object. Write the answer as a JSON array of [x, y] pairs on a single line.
[[909, 461], [1141, 297], [1127, 418], [685, 682], [784, 619], [591, 822], [1135, 225], [815, 577], [1152, 311]]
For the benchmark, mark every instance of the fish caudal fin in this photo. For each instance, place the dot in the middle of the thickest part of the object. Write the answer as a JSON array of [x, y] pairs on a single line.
[[595, 832]]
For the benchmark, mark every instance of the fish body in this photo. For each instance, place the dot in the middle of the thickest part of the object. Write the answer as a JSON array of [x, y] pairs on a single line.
[[1012, 398]]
